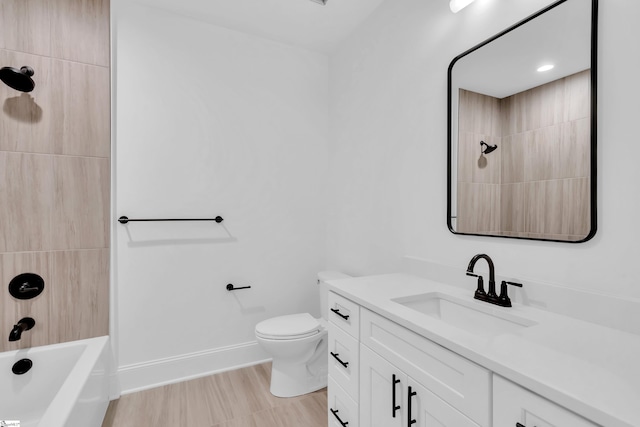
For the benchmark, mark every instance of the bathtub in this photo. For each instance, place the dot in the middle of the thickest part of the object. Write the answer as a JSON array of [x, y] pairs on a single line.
[[68, 385]]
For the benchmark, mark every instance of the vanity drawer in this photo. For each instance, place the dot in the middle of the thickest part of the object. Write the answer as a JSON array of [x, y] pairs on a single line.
[[513, 404], [456, 380], [344, 350], [340, 406], [344, 313]]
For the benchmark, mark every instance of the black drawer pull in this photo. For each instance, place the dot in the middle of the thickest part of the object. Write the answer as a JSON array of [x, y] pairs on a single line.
[[520, 425], [336, 311], [410, 421], [335, 414], [335, 356], [395, 407]]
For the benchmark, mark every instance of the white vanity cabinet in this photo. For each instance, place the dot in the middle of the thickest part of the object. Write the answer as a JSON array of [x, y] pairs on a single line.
[[516, 406], [467, 365], [373, 362], [382, 374], [391, 398]]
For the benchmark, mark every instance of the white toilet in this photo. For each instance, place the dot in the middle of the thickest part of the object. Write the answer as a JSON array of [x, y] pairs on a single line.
[[298, 346]]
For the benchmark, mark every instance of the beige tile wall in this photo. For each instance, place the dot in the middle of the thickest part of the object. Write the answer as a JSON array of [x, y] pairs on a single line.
[[542, 165], [546, 140], [478, 196], [55, 168]]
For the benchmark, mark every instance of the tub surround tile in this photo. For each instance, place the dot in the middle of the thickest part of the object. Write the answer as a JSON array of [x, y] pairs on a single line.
[[512, 208], [54, 167], [479, 113], [12, 310], [575, 149], [81, 123], [543, 206], [25, 26], [512, 164], [478, 208], [26, 192], [542, 154], [79, 294], [542, 163], [80, 31], [80, 217], [576, 215], [577, 89]]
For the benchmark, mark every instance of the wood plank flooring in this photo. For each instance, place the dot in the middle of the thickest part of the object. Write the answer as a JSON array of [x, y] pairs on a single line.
[[239, 398]]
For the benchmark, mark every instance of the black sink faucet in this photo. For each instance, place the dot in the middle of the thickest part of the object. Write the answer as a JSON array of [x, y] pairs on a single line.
[[23, 324], [490, 296], [480, 293]]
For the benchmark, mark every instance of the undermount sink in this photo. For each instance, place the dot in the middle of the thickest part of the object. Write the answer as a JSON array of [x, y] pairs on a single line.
[[470, 316]]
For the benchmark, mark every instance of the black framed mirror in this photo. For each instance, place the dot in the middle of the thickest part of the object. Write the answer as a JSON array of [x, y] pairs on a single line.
[[522, 129]]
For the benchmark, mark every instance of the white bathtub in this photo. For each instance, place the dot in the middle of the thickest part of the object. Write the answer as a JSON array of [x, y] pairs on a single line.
[[68, 385]]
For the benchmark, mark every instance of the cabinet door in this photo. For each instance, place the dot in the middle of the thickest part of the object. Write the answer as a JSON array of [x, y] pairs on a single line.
[[513, 404], [456, 380], [383, 392], [428, 410]]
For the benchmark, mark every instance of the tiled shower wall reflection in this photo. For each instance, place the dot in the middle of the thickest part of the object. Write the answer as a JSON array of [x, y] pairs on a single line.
[[537, 184], [54, 168]]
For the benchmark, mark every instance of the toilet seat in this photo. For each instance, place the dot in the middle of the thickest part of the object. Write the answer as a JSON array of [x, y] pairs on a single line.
[[289, 327]]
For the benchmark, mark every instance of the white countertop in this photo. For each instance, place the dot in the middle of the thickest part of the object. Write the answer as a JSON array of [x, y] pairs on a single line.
[[587, 368]]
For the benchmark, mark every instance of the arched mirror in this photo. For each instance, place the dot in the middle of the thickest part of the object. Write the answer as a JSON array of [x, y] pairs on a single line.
[[522, 129]]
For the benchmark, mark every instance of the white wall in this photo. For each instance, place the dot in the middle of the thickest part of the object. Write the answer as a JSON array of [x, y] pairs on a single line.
[[212, 122], [388, 169]]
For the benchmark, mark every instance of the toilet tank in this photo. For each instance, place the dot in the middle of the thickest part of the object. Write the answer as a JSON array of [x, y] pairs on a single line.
[[323, 277]]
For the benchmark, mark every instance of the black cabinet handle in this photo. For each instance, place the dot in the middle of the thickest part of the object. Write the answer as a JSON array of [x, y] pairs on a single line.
[[395, 407], [410, 421], [335, 356], [520, 425], [335, 414], [336, 311]]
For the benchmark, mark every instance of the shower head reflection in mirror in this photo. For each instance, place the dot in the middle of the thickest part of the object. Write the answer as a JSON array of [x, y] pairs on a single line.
[[488, 148]]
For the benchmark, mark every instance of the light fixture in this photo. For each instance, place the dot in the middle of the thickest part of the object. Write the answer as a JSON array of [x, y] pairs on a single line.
[[546, 67], [458, 5]]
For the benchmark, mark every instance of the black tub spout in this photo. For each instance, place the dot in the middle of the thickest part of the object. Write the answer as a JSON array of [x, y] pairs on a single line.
[[23, 324]]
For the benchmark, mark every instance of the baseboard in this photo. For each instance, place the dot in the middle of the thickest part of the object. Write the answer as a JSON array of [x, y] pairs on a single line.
[[156, 373]]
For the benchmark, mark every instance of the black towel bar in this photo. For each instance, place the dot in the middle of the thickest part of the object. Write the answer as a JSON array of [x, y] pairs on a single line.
[[124, 219]]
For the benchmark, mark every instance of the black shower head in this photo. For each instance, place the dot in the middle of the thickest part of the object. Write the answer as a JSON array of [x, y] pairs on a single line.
[[18, 79], [488, 148]]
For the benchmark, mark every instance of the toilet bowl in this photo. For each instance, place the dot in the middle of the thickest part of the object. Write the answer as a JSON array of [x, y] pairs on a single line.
[[298, 346]]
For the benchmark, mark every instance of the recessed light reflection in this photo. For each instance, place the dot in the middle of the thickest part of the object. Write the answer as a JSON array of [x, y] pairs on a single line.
[[545, 68]]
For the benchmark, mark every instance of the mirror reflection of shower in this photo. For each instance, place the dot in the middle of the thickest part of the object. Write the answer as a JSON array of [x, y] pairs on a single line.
[[18, 79]]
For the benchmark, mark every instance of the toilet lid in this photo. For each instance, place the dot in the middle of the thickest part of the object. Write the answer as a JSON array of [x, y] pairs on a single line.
[[289, 327]]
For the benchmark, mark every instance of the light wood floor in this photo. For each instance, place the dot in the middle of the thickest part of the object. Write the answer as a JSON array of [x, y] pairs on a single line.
[[238, 398]]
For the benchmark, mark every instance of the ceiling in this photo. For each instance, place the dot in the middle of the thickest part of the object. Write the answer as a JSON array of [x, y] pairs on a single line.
[[508, 64], [302, 23]]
